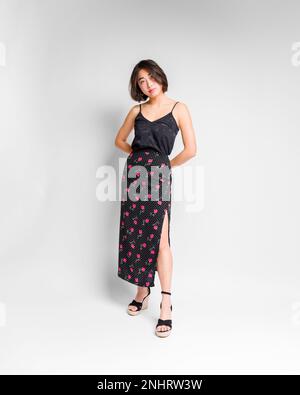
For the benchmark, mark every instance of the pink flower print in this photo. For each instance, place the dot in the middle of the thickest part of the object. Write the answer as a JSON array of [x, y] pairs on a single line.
[[152, 252], [150, 160], [155, 210], [144, 244], [131, 269], [136, 280], [147, 220], [143, 269], [150, 275], [149, 195], [129, 253], [140, 231], [135, 221], [124, 260], [159, 202], [132, 246], [151, 236], [140, 158], [133, 205], [126, 213], [131, 229], [147, 284], [137, 198], [155, 227], [129, 276], [138, 255], [138, 174], [129, 166], [150, 260]]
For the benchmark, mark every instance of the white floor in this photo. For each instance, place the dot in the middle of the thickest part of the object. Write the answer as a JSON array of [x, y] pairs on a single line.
[[216, 335]]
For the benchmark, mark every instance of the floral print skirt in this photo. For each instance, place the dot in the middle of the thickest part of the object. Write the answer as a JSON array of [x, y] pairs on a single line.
[[145, 200]]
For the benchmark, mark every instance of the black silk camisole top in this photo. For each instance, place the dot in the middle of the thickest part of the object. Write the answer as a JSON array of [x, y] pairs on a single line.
[[159, 134]]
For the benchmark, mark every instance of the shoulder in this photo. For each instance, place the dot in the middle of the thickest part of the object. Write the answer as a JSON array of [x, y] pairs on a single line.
[[182, 110], [181, 107], [133, 111], [182, 113]]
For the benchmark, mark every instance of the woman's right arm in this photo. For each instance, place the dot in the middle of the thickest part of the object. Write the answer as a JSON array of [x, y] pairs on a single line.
[[124, 131]]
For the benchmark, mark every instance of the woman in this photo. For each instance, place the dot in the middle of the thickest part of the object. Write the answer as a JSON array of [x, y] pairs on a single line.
[[144, 240]]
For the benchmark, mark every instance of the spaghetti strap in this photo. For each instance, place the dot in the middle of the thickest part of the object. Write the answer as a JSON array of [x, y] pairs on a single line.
[[174, 106], [140, 108]]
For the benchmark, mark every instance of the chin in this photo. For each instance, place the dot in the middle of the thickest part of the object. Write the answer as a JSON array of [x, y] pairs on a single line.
[[155, 93]]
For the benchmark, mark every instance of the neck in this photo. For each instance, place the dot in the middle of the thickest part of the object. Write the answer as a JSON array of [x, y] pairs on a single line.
[[158, 100]]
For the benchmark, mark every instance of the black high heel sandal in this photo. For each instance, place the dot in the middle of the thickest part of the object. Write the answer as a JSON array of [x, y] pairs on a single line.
[[139, 305], [164, 322]]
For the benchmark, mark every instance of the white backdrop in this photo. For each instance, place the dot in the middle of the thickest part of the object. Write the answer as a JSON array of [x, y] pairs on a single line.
[[64, 74]]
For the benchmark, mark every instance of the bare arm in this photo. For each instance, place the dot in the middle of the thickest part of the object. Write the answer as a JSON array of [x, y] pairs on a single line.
[[124, 131], [188, 136]]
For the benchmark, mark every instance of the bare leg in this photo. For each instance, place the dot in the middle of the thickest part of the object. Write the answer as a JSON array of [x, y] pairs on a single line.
[[165, 270]]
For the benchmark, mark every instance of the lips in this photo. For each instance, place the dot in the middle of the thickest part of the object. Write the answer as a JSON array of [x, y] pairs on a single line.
[[151, 90]]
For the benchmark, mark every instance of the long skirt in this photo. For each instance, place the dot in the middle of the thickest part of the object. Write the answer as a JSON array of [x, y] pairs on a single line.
[[145, 200]]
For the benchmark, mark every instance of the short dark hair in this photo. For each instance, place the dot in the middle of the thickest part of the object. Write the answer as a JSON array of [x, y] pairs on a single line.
[[156, 71]]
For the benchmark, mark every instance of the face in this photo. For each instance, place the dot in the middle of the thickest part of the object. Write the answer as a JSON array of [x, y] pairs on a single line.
[[148, 85]]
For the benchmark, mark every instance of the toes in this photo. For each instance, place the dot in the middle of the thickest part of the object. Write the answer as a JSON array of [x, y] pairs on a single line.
[[163, 328]]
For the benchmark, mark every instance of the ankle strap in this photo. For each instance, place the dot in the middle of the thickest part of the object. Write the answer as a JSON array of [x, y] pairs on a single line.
[[165, 292]]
